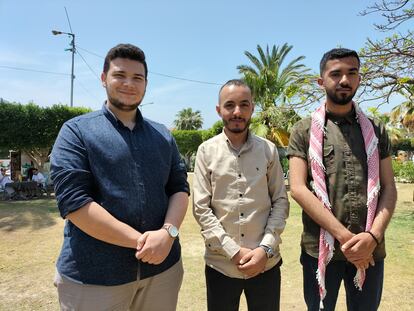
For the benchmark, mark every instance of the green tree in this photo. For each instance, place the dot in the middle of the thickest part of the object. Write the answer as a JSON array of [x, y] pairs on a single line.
[[215, 129], [33, 129], [278, 89], [187, 119], [187, 142], [388, 64]]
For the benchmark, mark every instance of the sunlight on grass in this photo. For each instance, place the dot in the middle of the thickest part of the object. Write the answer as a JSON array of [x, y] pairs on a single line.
[[31, 237]]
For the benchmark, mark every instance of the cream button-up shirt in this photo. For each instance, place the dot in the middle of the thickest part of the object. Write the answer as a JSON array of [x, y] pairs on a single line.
[[239, 199]]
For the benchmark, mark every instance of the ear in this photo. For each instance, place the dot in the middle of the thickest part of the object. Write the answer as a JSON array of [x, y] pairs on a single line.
[[320, 83], [218, 110], [103, 79]]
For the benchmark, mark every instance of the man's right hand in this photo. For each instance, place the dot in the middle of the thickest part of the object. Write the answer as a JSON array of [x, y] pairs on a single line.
[[239, 255], [154, 246]]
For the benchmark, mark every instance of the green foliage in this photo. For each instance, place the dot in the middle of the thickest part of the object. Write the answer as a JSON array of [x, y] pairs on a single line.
[[278, 87], [187, 141], [284, 161], [216, 129], [24, 127], [271, 82], [187, 119], [406, 144], [403, 171]]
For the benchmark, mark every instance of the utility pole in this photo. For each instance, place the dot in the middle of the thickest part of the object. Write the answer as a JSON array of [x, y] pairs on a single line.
[[73, 50]]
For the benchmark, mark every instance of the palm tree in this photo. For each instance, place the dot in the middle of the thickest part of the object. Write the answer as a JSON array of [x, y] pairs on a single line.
[[404, 112], [187, 119], [272, 84], [274, 88]]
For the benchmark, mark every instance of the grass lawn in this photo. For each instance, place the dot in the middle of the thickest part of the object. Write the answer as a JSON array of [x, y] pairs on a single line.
[[31, 236]]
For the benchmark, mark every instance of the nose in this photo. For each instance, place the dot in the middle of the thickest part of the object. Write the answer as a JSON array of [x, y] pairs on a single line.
[[344, 80], [237, 111], [128, 82]]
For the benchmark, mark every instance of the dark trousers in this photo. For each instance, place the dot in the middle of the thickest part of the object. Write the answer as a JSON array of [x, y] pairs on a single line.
[[262, 291], [366, 300]]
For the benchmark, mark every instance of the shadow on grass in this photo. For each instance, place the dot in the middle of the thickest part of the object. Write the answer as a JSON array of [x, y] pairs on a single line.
[[31, 215]]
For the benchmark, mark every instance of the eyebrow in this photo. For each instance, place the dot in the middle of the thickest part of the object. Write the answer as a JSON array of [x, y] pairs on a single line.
[[350, 69], [124, 72]]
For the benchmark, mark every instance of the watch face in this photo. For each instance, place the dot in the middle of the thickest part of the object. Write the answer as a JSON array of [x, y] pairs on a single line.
[[270, 253], [173, 231]]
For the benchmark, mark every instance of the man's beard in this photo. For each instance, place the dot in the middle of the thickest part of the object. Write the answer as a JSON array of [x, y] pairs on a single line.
[[339, 100], [121, 106], [237, 129]]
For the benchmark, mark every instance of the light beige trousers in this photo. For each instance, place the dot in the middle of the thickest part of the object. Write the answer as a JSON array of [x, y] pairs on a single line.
[[157, 293]]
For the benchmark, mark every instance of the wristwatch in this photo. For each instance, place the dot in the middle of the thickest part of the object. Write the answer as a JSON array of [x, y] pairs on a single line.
[[172, 230], [268, 250]]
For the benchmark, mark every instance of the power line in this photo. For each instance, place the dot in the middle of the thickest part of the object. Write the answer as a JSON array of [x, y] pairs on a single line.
[[159, 74], [183, 79], [87, 91], [90, 68], [34, 70], [92, 53]]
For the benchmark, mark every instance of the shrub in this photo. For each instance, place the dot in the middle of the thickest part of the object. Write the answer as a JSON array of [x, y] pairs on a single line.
[[403, 171]]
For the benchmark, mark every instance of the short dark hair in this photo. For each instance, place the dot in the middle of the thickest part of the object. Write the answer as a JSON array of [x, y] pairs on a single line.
[[336, 54], [236, 82], [125, 50]]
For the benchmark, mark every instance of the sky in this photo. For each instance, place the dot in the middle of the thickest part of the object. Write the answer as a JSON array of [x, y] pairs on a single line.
[[183, 40]]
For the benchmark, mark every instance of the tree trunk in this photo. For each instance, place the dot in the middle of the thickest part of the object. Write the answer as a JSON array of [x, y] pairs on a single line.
[[38, 156]]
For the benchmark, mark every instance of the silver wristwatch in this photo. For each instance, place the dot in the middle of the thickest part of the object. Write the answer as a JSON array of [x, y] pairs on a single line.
[[268, 250], [172, 230]]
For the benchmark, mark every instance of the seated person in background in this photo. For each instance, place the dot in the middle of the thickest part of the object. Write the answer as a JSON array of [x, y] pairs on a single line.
[[38, 177], [4, 180]]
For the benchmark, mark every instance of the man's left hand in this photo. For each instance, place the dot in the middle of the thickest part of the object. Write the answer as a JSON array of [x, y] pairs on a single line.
[[359, 248], [154, 246], [253, 263]]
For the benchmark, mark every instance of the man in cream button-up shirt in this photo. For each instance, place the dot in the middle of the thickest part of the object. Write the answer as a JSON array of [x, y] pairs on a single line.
[[241, 205]]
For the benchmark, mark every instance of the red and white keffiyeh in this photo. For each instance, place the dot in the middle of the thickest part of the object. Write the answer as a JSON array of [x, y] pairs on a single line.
[[326, 240]]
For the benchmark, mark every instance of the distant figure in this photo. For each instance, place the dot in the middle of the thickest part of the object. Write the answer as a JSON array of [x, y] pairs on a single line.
[[241, 205], [38, 177], [4, 180], [30, 173], [402, 156]]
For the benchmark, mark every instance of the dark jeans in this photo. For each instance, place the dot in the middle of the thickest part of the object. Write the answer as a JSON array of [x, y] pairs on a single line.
[[366, 300], [262, 292]]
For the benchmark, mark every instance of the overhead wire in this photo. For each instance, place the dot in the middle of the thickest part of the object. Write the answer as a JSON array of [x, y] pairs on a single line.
[[158, 73], [86, 63], [34, 70]]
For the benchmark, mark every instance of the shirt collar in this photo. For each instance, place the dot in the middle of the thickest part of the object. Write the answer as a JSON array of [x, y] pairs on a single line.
[[247, 144], [114, 120], [350, 117]]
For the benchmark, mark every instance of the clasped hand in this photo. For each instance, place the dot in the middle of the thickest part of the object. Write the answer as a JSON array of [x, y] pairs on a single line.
[[154, 246], [358, 250], [250, 262]]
